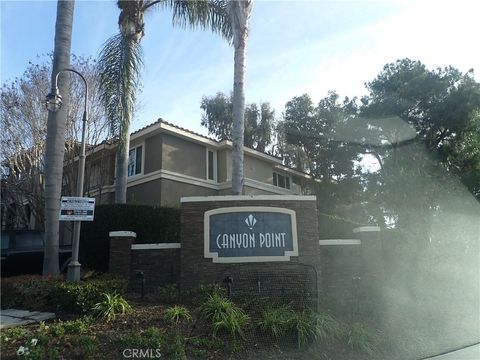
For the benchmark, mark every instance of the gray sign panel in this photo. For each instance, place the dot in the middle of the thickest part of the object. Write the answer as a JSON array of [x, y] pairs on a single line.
[[250, 234]]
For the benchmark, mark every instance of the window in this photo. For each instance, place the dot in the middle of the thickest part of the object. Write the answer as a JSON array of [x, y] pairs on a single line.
[[280, 180], [135, 161], [211, 165]]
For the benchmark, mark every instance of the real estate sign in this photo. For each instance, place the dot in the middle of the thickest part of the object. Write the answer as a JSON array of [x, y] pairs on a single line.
[[250, 234], [77, 208]]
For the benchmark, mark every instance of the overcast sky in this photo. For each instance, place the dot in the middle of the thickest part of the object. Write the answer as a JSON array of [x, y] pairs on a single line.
[[295, 47]]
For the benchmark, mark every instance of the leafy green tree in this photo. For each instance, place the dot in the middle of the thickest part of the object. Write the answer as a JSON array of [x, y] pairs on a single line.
[[217, 117], [416, 188], [314, 130], [121, 60], [55, 142], [442, 106], [311, 139]]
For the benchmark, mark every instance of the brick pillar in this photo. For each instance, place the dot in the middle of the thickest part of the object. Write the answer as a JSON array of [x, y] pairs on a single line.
[[120, 252], [373, 266]]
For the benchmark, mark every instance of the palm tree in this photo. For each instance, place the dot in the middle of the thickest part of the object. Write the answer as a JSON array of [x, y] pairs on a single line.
[[239, 12], [55, 142], [121, 60]]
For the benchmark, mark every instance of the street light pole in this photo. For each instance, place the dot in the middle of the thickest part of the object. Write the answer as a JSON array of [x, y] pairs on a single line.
[[53, 103]]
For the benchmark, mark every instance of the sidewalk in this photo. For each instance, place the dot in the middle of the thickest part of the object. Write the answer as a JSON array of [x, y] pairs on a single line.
[[13, 317]]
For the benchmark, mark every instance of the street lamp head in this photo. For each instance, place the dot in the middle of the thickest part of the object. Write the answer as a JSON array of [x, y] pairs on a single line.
[[53, 101]]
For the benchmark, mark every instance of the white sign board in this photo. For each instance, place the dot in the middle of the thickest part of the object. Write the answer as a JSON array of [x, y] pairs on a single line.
[[77, 208]]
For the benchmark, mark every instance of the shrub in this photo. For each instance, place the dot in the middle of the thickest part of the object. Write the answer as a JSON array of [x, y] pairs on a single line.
[[151, 224], [275, 321], [151, 338], [80, 297], [304, 326], [28, 291], [78, 326], [327, 328], [111, 305], [361, 338], [177, 313], [14, 333], [174, 347], [224, 315], [308, 326], [35, 292]]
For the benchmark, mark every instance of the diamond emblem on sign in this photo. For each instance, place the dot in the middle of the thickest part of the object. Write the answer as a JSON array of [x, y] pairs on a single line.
[[250, 221]]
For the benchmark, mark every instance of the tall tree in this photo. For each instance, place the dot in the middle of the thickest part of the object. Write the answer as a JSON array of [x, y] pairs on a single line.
[[217, 117], [239, 11], [441, 105], [24, 125], [55, 142], [314, 131], [121, 60]]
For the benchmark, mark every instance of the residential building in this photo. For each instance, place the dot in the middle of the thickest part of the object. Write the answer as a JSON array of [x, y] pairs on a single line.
[[168, 162]]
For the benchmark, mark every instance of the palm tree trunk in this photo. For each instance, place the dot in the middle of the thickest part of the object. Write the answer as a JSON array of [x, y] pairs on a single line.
[[239, 14], [121, 170], [55, 143]]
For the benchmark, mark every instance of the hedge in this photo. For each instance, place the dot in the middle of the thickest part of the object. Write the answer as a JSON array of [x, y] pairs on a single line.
[[36, 292], [151, 224]]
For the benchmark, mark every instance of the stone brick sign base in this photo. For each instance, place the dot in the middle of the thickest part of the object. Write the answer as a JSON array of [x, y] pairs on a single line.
[[324, 269], [300, 272], [157, 263]]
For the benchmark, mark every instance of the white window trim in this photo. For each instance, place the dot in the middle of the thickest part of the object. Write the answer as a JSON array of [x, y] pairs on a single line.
[[215, 165], [135, 176]]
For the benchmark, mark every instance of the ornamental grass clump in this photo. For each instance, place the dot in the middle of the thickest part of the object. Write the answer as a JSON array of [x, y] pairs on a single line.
[[275, 321], [111, 305], [224, 315], [361, 338], [176, 314], [304, 325]]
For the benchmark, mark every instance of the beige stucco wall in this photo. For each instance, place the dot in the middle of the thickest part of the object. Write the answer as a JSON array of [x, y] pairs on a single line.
[[153, 153], [172, 191], [147, 193], [253, 191], [257, 169], [105, 198], [223, 165], [183, 157]]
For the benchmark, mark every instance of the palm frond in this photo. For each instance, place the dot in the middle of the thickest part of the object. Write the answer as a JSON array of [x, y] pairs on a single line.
[[204, 14], [118, 69]]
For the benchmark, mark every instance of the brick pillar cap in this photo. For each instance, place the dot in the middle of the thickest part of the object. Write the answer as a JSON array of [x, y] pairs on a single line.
[[122, 234], [366, 229]]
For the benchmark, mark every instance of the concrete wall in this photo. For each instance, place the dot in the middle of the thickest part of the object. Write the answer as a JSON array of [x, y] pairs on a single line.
[[184, 157]]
